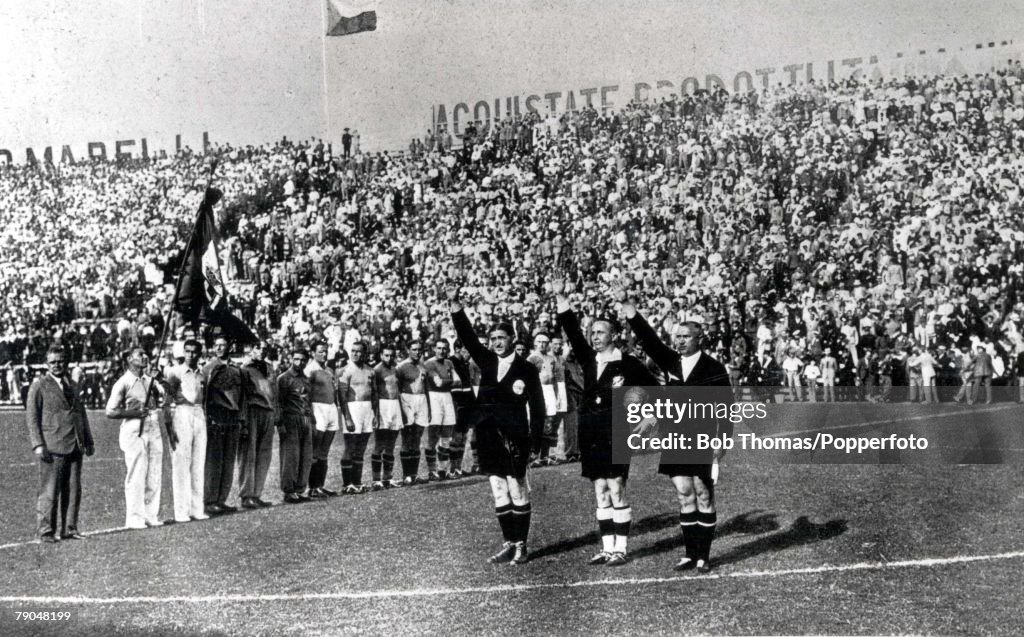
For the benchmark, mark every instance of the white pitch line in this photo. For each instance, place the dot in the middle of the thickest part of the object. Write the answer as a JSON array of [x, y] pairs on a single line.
[[87, 534], [18, 465], [872, 423], [513, 588]]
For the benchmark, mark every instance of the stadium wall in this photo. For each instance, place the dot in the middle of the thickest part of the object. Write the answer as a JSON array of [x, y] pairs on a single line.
[[254, 71]]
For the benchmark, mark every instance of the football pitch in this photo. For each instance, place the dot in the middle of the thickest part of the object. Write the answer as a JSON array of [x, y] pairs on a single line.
[[837, 549]]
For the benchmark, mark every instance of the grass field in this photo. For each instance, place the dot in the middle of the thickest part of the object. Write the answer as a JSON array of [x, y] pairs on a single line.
[[850, 549]]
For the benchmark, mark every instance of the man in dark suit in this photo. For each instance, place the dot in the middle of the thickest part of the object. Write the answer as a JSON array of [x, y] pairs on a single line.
[[225, 407], [59, 430], [604, 368], [685, 365], [510, 423]]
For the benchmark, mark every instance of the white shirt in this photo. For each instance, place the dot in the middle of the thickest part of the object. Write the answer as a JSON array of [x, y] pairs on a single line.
[[504, 364], [688, 363]]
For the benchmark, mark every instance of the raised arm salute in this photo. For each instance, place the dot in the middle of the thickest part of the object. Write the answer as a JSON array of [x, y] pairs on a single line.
[[510, 419], [604, 367], [686, 366]]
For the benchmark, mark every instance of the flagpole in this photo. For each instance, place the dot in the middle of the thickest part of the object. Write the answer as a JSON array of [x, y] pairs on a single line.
[[177, 287], [323, 66]]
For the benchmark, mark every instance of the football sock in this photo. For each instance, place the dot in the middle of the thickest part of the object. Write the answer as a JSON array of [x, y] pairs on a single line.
[[706, 522], [431, 456], [504, 513], [444, 458], [317, 474], [521, 517], [457, 452], [623, 519], [359, 457], [376, 465], [388, 464], [606, 526], [346, 472], [688, 525], [407, 460], [414, 462]]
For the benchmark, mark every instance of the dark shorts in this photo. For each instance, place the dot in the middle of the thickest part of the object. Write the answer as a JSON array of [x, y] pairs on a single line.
[[602, 467], [502, 453], [595, 440], [465, 411], [702, 471]]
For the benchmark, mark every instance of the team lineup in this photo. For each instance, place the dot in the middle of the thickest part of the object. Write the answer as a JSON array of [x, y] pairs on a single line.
[[501, 403]]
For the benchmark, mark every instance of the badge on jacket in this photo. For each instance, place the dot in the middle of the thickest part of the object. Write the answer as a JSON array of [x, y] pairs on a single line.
[[519, 387]]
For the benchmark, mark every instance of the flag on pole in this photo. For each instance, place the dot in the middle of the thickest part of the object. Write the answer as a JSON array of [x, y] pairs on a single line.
[[346, 17], [201, 296]]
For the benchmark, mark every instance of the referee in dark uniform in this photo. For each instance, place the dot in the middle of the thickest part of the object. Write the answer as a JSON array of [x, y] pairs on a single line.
[[604, 367], [684, 365], [510, 422]]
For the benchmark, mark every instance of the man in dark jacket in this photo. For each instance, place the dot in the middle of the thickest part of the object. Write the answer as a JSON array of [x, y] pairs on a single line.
[[510, 422], [685, 365], [225, 414], [604, 368], [59, 431]]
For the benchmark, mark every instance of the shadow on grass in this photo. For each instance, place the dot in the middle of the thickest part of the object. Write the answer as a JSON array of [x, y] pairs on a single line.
[[802, 532], [751, 522]]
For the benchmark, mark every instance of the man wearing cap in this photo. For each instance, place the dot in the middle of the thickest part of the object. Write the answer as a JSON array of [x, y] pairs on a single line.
[[684, 364], [510, 421]]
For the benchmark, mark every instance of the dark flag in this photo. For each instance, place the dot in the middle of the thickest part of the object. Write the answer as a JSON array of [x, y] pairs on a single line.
[[352, 17], [201, 296]]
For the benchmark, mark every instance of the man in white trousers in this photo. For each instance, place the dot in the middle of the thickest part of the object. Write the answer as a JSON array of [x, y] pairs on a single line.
[[140, 440], [186, 391]]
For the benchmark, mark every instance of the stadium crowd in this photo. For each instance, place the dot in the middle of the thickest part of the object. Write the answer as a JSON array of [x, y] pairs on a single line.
[[865, 233]]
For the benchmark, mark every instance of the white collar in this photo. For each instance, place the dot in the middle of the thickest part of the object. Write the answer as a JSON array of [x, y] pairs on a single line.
[[614, 354], [692, 358], [507, 360]]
